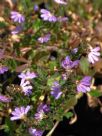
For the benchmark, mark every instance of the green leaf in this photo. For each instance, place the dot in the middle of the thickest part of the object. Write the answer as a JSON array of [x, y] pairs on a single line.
[[68, 115], [95, 93], [84, 65]]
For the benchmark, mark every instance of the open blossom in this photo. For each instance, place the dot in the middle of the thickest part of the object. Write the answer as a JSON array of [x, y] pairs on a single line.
[[26, 87], [4, 98], [84, 84], [94, 54], [19, 113], [3, 69], [47, 16], [27, 75], [56, 90], [17, 17], [68, 64], [35, 132], [61, 2], [44, 39]]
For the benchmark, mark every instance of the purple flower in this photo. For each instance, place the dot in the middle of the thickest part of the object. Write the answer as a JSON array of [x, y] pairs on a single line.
[[47, 16], [41, 110], [19, 113], [4, 98], [84, 84], [43, 107], [75, 50], [39, 115], [94, 54], [17, 17], [68, 64], [56, 90], [44, 39], [27, 75], [17, 30], [26, 87], [3, 69], [61, 2], [35, 132], [36, 7]]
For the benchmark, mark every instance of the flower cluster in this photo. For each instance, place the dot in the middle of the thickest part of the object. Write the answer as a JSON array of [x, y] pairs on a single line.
[[50, 38]]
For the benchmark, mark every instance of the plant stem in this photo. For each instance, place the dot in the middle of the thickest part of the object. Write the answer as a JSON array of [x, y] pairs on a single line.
[[52, 130]]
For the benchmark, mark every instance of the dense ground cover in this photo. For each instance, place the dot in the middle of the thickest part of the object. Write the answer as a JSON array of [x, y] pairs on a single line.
[[50, 63]]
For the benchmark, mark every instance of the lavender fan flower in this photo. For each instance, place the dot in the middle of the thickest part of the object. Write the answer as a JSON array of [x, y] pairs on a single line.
[[94, 54], [61, 2], [19, 113], [68, 64], [26, 87], [84, 85], [4, 99], [39, 115], [47, 16], [43, 107], [17, 17], [17, 30], [56, 90], [27, 75], [3, 69], [35, 132], [41, 110], [44, 39]]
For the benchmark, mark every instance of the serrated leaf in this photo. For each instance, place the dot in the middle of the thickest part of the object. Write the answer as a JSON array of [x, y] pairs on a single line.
[[84, 65]]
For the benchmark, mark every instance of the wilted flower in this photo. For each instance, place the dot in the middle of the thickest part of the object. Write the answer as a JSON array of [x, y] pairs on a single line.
[[26, 87], [3, 69], [16, 30], [35, 132], [62, 19], [47, 16], [68, 64], [39, 115], [19, 113], [4, 98], [84, 84], [56, 90], [1, 53], [17, 17], [27, 75], [44, 39], [41, 111], [60, 2], [94, 54]]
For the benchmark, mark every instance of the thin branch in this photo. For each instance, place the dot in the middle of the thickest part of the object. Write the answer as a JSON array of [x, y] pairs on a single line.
[[52, 130]]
